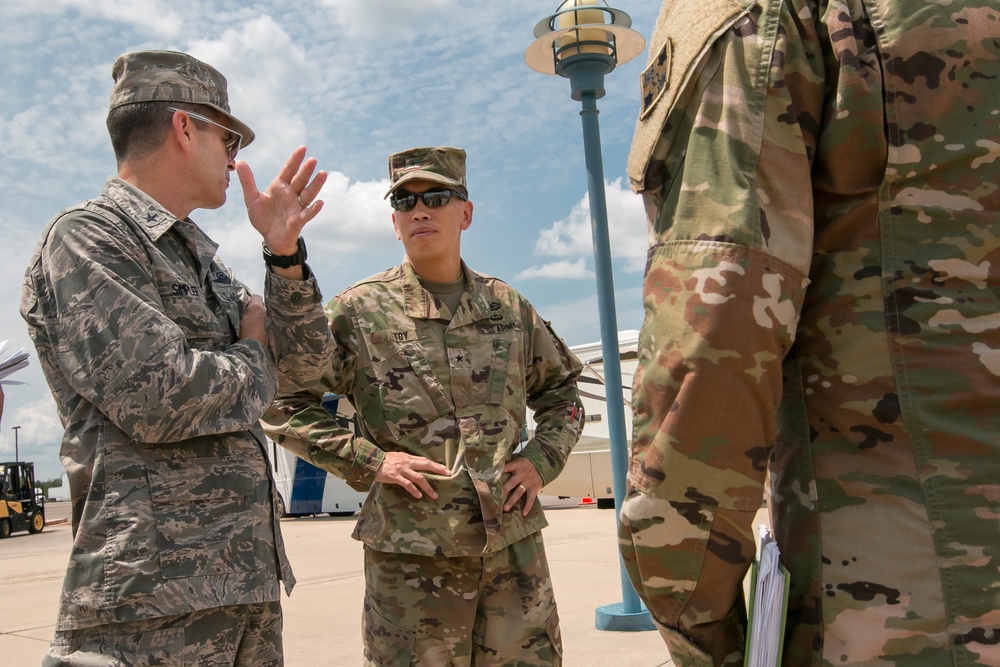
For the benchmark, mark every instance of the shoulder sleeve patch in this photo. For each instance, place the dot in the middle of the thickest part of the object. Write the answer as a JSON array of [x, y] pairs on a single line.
[[653, 80], [684, 33]]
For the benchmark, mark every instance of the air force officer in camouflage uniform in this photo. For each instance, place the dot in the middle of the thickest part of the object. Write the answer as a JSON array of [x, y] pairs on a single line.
[[439, 363], [161, 364], [823, 187]]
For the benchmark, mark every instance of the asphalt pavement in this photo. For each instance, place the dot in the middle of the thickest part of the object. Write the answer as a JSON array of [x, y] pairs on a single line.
[[322, 623]]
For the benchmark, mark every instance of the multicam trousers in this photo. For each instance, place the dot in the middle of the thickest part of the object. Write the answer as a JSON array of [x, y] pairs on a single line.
[[454, 612]]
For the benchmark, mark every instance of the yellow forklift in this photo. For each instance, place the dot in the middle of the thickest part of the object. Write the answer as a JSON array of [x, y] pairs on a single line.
[[20, 507]]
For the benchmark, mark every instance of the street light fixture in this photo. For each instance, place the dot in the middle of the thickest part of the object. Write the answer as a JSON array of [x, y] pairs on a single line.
[[583, 41], [15, 429]]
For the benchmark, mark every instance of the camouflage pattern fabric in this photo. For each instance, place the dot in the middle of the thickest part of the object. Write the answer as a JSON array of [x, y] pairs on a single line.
[[418, 609], [172, 76], [239, 636], [459, 401], [136, 321], [823, 190], [438, 164]]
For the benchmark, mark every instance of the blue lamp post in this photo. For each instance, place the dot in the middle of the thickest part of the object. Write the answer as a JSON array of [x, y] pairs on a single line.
[[583, 41]]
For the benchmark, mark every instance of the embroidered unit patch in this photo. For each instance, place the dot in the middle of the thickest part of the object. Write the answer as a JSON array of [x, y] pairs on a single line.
[[655, 78]]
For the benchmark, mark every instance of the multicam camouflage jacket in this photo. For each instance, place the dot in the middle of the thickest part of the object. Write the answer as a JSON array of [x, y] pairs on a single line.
[[823, 188], [459, 401], [136, 325]]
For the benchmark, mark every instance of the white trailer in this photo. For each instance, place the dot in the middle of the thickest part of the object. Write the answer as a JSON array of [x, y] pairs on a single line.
[[588, 471], [60, 492], [304, 489]]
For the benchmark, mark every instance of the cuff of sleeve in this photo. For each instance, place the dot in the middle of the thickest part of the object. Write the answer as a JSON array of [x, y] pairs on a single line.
[[533, 452], [367, 462], [295, 297]]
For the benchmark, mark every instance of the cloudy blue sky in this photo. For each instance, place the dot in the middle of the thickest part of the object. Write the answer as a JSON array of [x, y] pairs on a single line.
[[354, 80]]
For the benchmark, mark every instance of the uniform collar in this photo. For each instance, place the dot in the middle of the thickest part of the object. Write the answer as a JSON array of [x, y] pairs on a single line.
[[419, 303], [156, 220], [139, 206]]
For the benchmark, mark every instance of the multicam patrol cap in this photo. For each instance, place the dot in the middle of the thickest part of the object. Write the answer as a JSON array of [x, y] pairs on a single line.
[[439, 164], [171, 76]]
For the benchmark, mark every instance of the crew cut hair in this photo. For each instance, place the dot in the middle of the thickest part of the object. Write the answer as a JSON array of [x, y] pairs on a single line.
[[139, 129]]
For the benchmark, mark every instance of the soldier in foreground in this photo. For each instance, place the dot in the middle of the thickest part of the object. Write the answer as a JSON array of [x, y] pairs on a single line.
[[161, 364], [823, 188], [439, 363]]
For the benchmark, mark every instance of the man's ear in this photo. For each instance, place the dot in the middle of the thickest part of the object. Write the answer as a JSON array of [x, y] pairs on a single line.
[[181, 126], [467, 216], [395, 228]]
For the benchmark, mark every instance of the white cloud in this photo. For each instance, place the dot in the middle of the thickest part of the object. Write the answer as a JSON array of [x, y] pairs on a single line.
[[269, 76], [388, 19], [38, 438], [557, 271], [153, 16], [47, 120], [573, 237], [568, 237]]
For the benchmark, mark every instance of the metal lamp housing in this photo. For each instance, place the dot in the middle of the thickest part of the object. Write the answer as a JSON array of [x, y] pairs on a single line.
[[582, 41]]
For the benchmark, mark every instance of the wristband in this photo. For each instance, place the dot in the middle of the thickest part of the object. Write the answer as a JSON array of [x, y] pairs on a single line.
[[286, 261]]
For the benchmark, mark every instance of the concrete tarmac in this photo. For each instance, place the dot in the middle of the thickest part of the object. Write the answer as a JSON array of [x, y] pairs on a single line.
[[323, 615]]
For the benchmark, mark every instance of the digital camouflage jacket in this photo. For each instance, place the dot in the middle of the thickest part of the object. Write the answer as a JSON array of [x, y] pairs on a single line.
[[823, 187], [460, 402], [136, 323]]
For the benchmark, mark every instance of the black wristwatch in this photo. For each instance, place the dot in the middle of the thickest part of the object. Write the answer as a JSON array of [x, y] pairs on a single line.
[[286, 261]]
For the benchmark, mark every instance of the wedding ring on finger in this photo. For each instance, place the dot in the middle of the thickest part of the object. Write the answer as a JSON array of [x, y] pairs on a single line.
[[299, 198]]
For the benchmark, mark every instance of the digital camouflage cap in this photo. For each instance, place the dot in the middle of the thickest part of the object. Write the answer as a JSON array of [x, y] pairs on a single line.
[[171, 76], [439, 164]]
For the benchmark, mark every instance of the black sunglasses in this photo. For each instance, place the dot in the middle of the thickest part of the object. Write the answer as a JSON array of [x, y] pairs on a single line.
[[431, 199]]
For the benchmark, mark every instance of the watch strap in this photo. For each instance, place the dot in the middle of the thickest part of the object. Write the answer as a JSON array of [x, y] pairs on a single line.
[[286, 261]]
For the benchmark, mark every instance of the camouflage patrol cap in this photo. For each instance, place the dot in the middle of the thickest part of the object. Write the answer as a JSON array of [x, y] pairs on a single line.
[[171, 76], [440, 164]]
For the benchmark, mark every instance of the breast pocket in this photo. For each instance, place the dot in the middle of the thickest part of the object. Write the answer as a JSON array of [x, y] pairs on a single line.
[[504, 383], [409, 393], [203, 328], [208, 316], [203, 516]]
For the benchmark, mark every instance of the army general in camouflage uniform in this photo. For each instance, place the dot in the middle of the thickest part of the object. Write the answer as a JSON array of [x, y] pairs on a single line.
[[161, 364], [822, 294], [439, 363]]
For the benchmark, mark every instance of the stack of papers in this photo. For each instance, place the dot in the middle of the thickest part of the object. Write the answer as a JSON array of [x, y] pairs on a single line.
[[768, 605], [11, 362]]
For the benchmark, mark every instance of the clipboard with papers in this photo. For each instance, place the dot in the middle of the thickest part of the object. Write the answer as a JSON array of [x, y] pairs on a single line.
[[11, 362], [768, 605]]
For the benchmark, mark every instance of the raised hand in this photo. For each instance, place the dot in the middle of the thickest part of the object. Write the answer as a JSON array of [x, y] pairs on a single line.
[[280, 212]]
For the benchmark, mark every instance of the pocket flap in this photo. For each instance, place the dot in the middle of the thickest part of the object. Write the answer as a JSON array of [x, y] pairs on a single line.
[[385, 644], [200, 479]]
